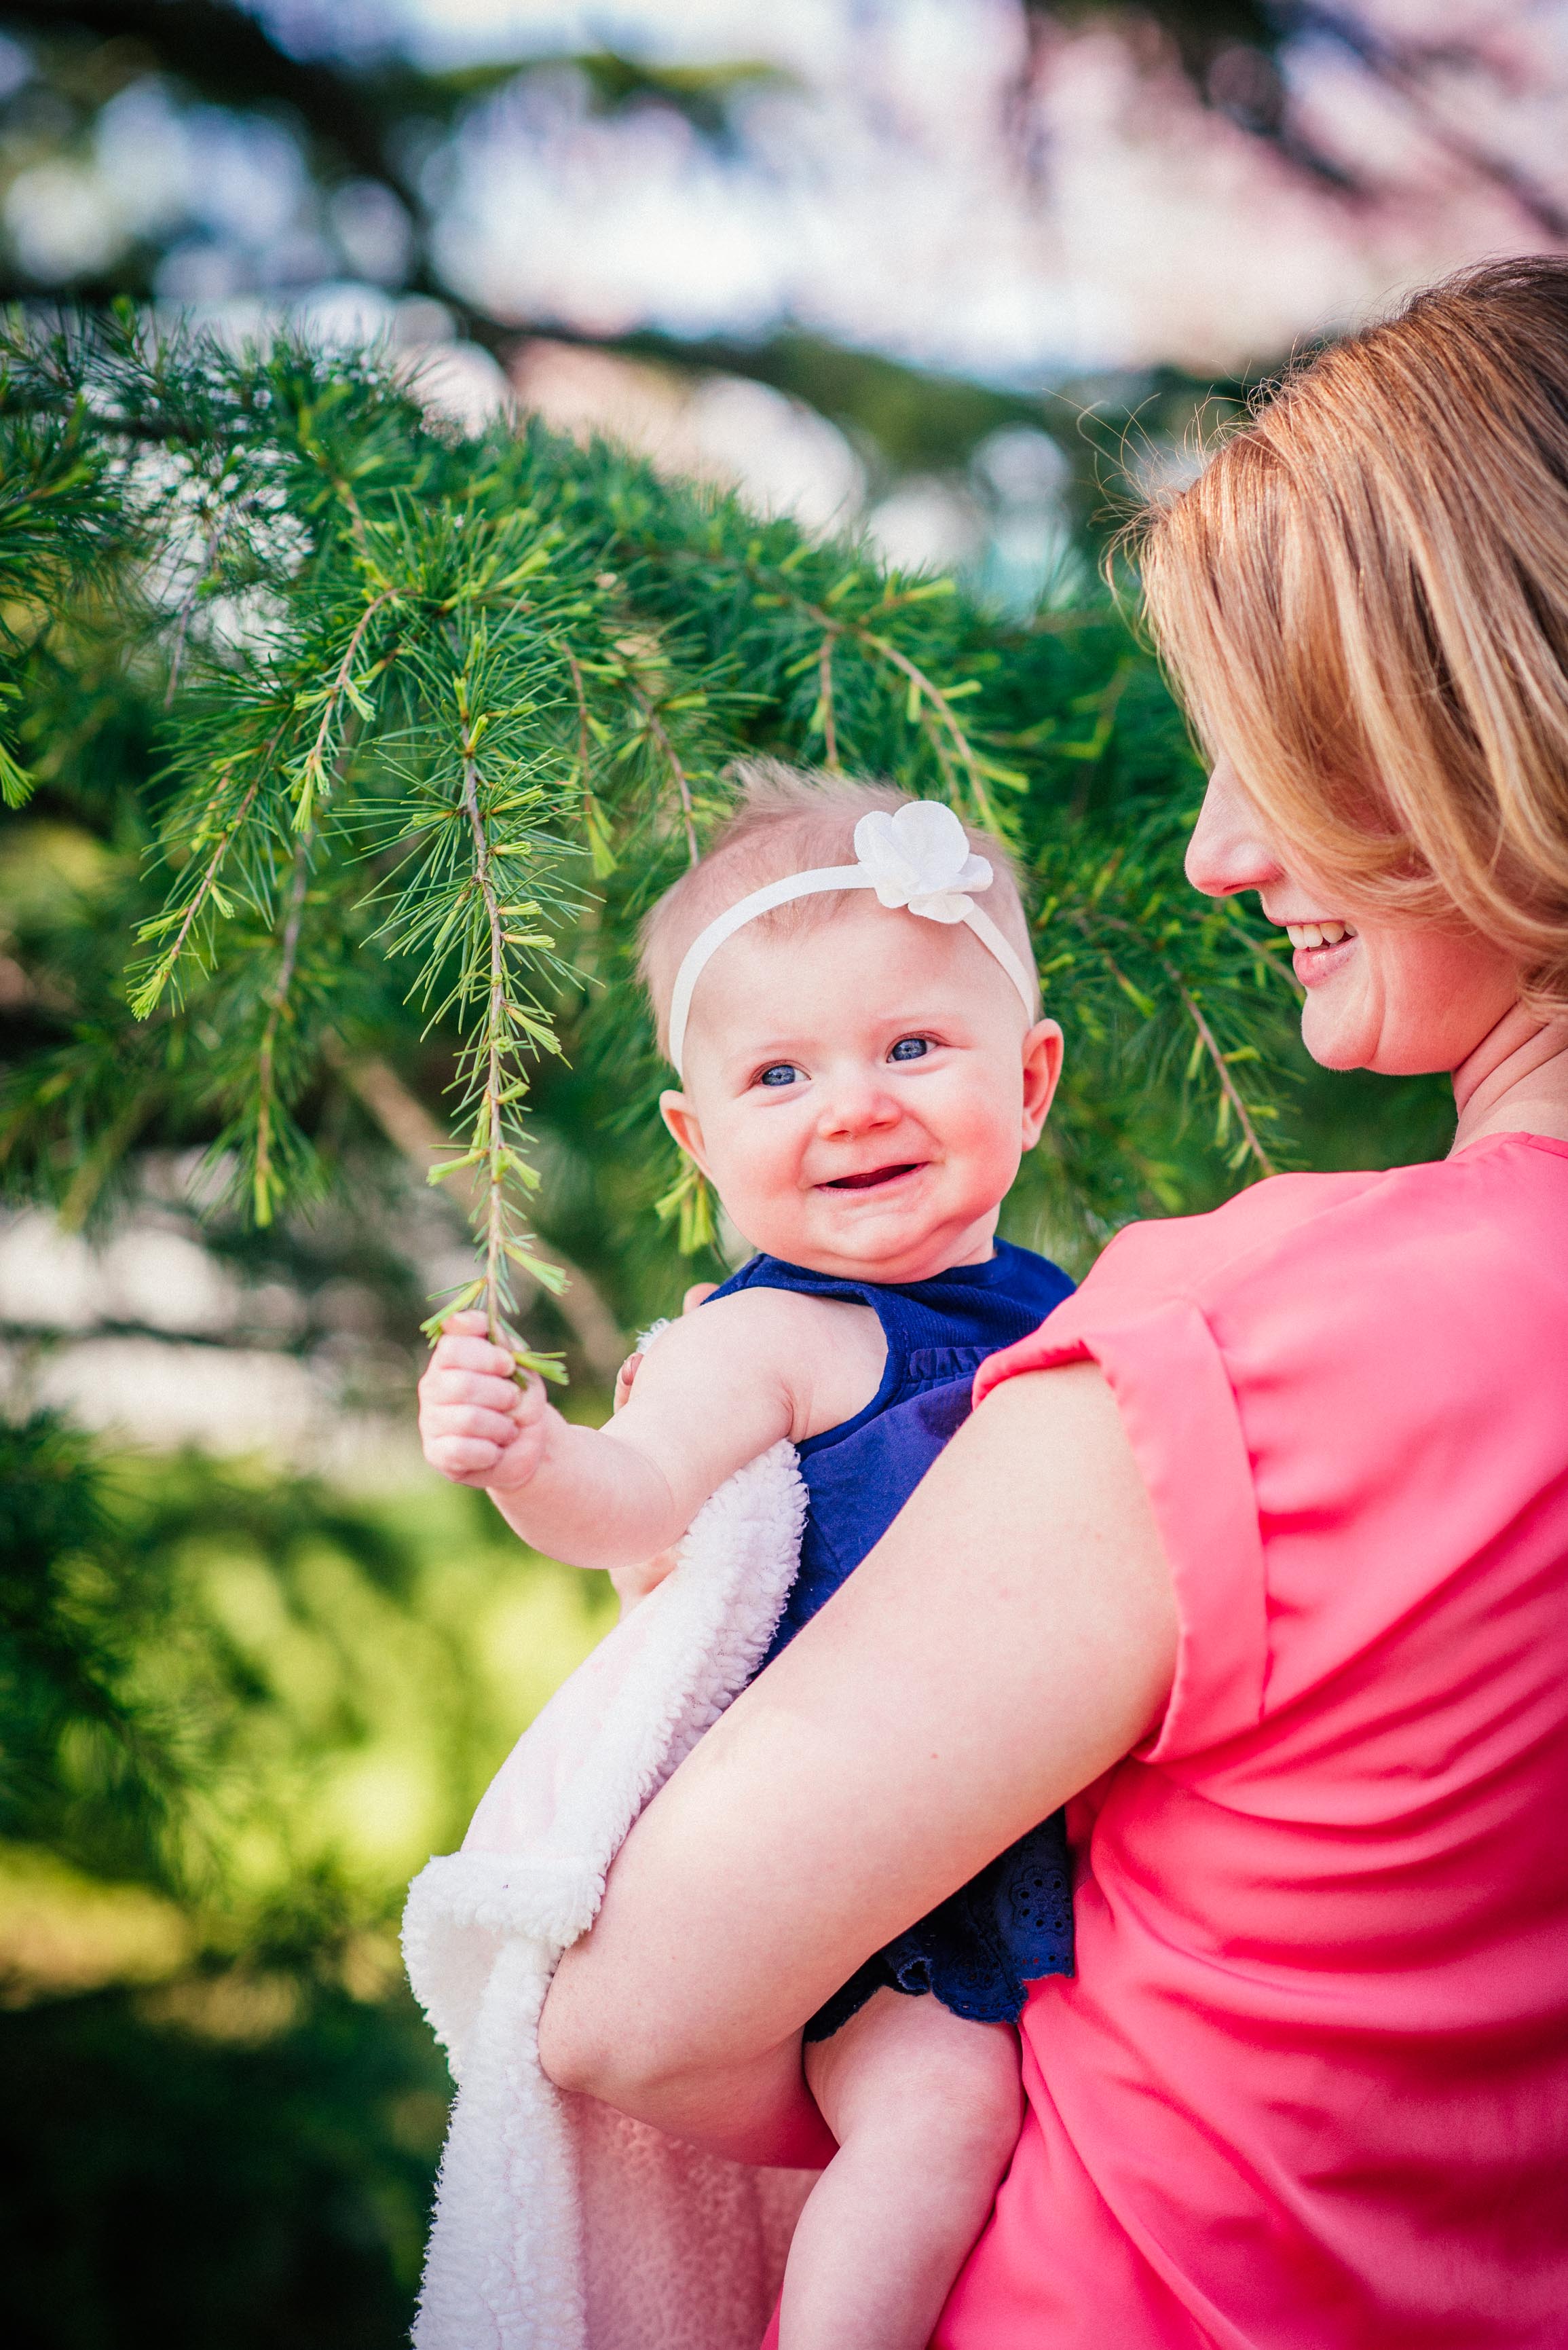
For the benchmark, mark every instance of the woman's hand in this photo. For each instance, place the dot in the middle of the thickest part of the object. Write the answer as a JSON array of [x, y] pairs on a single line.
[[477, 1425], [1011, 1636]]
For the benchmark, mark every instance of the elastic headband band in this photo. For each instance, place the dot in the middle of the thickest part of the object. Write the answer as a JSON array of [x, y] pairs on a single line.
[[918, 860]]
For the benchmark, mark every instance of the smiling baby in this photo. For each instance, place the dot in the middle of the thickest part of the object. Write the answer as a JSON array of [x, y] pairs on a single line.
[[845, 988]]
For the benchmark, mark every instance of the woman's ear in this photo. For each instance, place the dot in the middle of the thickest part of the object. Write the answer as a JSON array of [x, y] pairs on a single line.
[[682, 1119], [1042, 1070]]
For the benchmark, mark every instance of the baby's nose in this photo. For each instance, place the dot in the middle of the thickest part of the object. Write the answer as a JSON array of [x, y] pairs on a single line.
[[855, 1101]]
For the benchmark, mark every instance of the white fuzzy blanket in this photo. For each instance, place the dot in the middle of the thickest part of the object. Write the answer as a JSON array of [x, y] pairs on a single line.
[[561, 2225]]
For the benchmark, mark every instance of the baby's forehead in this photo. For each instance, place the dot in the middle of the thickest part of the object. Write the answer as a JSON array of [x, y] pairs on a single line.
[[815, 934], [842, 967]]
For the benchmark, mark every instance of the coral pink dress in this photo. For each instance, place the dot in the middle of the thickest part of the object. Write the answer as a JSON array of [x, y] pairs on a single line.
[[1309, 2088]]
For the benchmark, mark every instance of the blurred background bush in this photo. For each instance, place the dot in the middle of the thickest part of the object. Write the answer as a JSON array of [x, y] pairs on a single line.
[[960, 279]]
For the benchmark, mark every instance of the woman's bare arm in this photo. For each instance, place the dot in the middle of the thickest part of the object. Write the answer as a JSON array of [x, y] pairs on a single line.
[[1011, 1636]]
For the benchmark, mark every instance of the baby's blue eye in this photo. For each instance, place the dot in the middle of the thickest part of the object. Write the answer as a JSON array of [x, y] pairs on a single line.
[[911, 1048], [781, 1072]]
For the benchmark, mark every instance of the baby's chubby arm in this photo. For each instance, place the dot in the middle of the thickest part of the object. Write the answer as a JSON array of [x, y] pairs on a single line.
[[721, 1386]]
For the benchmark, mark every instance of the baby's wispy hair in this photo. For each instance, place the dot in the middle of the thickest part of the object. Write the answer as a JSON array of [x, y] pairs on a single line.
[[792, 821]]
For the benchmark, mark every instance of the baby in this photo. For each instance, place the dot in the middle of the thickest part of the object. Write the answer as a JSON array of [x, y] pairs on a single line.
[[862, 1068]]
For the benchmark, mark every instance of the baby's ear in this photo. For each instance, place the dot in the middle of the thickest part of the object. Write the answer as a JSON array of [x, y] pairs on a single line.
[[1042, 1071], [682, 1119]]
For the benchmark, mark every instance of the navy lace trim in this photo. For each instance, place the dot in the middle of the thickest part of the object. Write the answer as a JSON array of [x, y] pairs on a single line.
[[1009, 1926]]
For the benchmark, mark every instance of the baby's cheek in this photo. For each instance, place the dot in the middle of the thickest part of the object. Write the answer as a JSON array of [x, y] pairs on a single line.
[[763, 1200], [759, 1169], [969, 1113], [985, 1140]]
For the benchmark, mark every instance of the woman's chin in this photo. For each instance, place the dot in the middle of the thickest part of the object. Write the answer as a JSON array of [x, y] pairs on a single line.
[[1332, 1034]]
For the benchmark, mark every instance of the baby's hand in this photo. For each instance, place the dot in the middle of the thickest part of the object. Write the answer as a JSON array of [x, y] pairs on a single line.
[[477, 1425]]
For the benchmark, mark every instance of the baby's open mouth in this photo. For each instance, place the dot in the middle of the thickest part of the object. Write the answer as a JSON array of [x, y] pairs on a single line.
[[873, 1176]]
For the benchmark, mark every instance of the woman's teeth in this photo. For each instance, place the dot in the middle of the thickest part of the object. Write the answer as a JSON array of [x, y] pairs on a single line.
[[1317, 934]]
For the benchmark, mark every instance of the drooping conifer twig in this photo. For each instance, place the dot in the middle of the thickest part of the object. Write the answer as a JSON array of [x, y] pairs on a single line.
[[927, 705], [657, 729], [145, 996], [1230, 1093], [262, 1176], [1207, 1047], [424, 1143], [493, 1141], [493, 1055], [825, 703], [342, 688], [925, 693], [601, 850], [690, 1203]]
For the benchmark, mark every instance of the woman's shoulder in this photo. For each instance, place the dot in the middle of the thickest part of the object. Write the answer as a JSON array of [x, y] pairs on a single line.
[[1380, 1282], [1475, 1218]]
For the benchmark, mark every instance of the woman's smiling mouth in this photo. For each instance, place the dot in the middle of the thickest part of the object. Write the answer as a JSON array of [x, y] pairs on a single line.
[[1320, 947], [872, 1176]]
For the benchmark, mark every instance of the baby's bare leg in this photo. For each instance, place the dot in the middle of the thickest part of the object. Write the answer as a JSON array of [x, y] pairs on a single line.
[[926, 2109]]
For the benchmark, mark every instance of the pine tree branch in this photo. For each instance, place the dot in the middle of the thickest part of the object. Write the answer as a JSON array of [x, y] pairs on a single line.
[[594, 829], [1229, 1091], [825, 703], [923, 690], [265, 1078], [492, 1145], [422, 1140], [1227, 1083], [656, 727], [313, 769], [442, 855], [584, 738], [149, 991]]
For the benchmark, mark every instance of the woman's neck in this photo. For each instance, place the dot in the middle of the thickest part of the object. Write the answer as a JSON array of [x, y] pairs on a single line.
[[1515, 1081]]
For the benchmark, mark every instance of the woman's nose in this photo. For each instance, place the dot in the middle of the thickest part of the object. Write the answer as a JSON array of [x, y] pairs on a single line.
[[1228, 850]]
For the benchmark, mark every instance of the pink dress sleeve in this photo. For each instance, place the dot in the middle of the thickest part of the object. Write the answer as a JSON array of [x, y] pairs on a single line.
[[1176, 1404]]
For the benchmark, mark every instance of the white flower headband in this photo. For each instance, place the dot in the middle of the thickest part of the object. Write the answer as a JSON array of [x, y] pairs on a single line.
[[919, 859]]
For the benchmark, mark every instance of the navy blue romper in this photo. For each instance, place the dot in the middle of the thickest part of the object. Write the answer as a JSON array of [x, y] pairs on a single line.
[[1014, 1922]]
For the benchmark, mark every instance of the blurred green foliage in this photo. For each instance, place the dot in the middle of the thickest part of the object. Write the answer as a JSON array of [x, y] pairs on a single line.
[[166, 2184], [238, 1710]]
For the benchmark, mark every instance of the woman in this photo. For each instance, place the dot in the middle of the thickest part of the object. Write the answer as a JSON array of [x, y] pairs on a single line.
[[1256, 1552]]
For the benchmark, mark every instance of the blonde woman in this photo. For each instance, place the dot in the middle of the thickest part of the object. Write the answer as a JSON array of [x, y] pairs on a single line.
[[1256, 1552]]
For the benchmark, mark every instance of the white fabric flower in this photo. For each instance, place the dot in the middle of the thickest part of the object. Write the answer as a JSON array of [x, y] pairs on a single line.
[[921, 859]]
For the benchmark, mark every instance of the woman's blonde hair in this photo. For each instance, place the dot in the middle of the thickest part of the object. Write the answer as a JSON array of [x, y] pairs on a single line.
[[1364, 599], [788, 820]]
